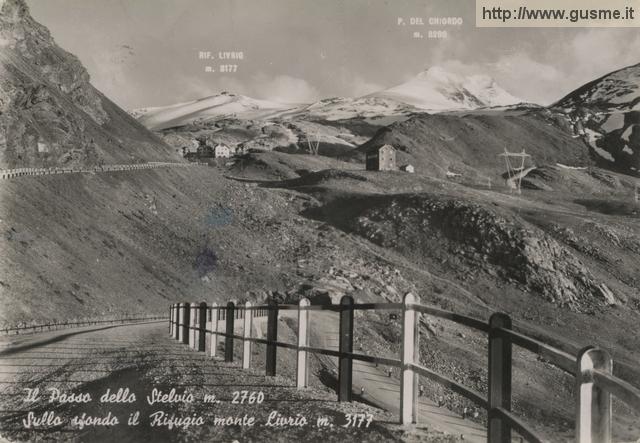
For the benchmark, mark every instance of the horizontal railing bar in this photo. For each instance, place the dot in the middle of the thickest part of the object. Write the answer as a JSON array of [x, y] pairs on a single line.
[[359, 357], [517, 425], [563, 360], [285, 345], [321, 351], [448, 315], [83, 322], [371, 359], [289, 307], [334, 308], [224, 334], [283, 307], [472, 395], [619, 388], [376, 306], [360, 306], [468, 321], [286, 307], [264, 341]]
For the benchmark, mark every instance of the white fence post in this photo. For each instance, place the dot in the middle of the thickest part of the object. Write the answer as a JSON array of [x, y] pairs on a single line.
[[214, 328], [408, 388], [184, 317], [303, 340], [246, 333], [171, 320], [176, 319], [593, 414]]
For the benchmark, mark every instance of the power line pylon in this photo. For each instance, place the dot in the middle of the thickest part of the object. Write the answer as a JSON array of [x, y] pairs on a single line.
[[514, 174]]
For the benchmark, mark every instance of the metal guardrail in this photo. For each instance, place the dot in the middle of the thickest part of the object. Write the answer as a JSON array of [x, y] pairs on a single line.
[[591, 368], [24, 172], [74, 324]]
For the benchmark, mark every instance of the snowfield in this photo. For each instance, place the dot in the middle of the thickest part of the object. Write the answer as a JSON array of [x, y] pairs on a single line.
[[438, 90], [209, 108], [432, 90], [616, 91]]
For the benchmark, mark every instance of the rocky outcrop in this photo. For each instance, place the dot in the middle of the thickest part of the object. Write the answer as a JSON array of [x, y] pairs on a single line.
[[50, 114], [494, 242]]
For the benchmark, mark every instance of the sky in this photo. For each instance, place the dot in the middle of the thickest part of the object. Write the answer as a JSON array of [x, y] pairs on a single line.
[[143, 53]]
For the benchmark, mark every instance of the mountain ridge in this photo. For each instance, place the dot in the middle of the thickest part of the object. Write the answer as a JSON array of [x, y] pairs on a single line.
[[207, 108], [431, 90], [436, 89], [614, 84]]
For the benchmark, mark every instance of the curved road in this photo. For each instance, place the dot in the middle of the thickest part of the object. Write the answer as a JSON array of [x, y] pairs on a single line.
[[384, 391], [142, 357]]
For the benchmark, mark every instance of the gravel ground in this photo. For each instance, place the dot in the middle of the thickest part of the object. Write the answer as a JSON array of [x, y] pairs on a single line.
[[143, 358]]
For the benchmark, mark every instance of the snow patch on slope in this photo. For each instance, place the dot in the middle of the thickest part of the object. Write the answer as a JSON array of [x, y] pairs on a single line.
[[616, 91], [224, 105], [341, 108], [437, 89]]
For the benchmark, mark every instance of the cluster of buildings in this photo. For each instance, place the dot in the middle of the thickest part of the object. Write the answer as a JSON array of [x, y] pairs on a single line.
[[207, 151], [377, 158]]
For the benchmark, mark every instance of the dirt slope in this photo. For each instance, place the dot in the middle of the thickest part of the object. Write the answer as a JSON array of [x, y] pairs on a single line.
[[91, 244]]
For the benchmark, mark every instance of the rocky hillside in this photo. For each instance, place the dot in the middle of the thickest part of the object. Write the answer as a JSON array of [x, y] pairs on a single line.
[[616, 91], [487, 239], [477, 233], [465, 146], [50, 114]]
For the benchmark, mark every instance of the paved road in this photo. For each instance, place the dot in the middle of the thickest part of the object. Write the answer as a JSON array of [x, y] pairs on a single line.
[[382, 390], [142, 357]]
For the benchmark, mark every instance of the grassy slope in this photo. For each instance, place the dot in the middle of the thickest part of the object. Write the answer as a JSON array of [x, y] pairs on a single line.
[[470, 144]]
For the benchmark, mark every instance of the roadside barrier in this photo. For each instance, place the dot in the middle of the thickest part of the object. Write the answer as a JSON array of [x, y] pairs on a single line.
[[23, 172], [592, 367], [54, 326]]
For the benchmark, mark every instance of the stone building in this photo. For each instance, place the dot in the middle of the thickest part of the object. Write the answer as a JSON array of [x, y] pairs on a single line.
[[381, 158], [222, 151]]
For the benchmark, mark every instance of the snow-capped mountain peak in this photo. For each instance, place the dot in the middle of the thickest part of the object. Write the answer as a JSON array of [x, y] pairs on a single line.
[[213, 107], [438, 89], [435, 89]]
